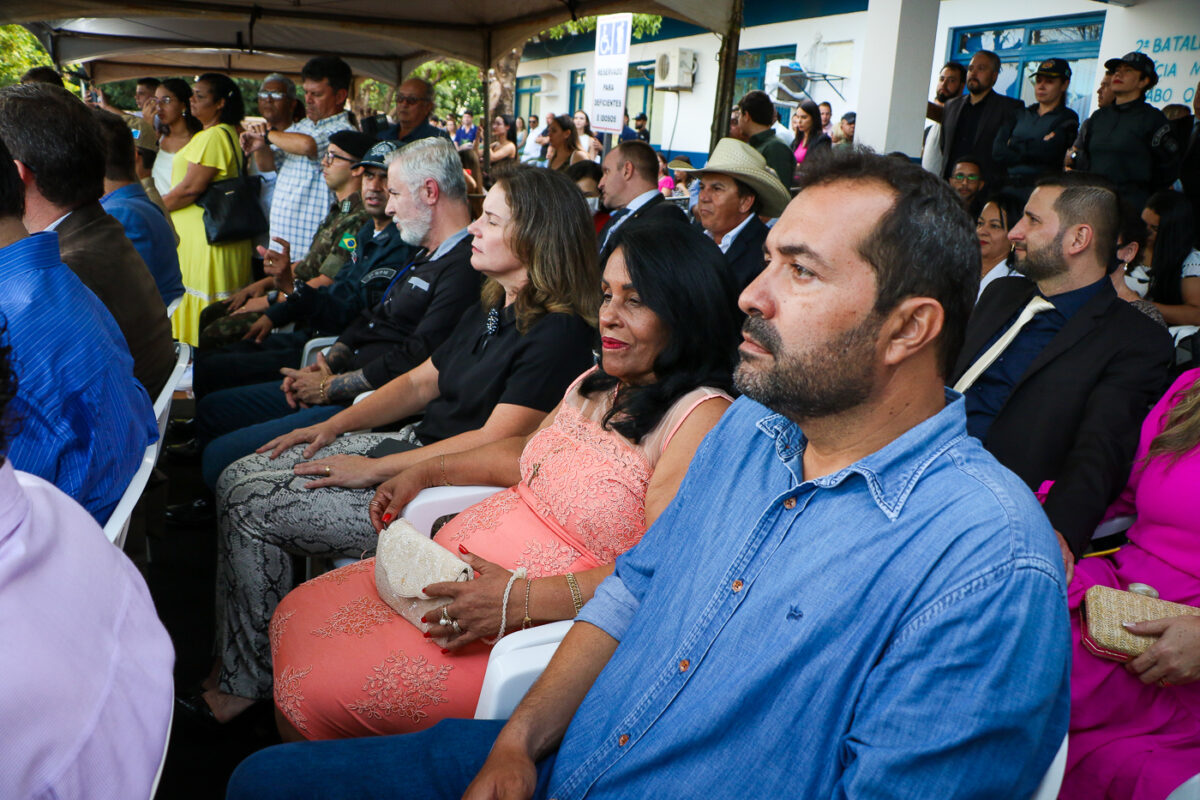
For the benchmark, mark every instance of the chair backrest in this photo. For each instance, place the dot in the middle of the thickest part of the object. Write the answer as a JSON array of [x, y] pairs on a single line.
[[313, 347], [515, 663], [1052, 780], [162, 403], [173, 306], [118, 523]]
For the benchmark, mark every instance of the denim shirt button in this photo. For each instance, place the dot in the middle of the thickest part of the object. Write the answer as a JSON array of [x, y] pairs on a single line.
[[736, 585], [684, 664], [622, 739], [790, 503]]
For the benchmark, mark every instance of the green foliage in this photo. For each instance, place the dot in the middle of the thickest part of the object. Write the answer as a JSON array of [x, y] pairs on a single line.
[[643, 25], [457, 86], [21, 51]]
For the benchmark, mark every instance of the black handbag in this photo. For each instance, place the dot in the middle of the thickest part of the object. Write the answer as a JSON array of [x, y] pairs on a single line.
[[232, 211]]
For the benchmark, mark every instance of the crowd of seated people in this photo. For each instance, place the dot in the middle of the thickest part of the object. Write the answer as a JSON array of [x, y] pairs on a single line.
[[946, 380]]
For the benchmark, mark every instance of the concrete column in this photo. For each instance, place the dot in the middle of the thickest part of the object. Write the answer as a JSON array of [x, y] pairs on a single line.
[[901, 35]]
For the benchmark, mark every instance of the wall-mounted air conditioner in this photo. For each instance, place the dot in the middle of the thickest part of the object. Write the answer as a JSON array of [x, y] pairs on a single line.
[[674, 70]]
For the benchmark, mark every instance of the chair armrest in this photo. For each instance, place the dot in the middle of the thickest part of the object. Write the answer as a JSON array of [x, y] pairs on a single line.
[[424, 509], [514, 664], [313, 346], [1114, 525]]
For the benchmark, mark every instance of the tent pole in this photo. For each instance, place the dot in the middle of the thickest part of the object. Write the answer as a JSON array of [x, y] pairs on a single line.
[[726, 75]]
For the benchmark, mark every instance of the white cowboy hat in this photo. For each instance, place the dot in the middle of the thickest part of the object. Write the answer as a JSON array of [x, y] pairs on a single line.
[[735, 157]]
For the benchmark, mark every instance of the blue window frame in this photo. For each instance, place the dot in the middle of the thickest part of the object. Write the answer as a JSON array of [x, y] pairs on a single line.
[[1023, 45], [577, 83], [639, 88], [527, 100]]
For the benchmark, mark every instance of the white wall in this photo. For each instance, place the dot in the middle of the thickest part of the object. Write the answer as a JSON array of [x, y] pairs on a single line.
[[824, 44]]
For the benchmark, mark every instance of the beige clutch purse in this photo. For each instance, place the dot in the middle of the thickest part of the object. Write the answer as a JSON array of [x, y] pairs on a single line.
[[1104, 610], [405, 563]]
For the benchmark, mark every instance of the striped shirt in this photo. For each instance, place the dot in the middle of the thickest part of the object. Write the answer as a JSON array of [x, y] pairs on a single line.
[[80, 419], [301, 197]]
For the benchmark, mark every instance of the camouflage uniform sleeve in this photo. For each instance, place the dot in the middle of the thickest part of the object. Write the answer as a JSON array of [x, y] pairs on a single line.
[[339, 254]]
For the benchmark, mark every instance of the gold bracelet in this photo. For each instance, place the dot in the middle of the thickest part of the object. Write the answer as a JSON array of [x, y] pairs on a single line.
[[324, 399], [576, 595], [445, 482], [527, 622]]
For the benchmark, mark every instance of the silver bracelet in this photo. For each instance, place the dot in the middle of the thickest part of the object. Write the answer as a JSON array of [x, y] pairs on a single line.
[[516, 575]]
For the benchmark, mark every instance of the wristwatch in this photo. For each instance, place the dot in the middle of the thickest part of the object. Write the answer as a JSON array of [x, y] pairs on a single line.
[[272, 297]]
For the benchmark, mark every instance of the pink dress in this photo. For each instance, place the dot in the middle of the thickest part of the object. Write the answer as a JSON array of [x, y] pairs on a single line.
[[1127, 739], [347, 665]]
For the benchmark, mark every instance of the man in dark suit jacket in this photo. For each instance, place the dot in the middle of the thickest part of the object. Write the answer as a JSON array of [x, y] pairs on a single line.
[[1065, 401], [736, 187], [970, 122], [57, 146], [629, 188]]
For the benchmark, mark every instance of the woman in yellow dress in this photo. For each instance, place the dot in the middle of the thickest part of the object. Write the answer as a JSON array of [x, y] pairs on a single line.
[[210, 271]]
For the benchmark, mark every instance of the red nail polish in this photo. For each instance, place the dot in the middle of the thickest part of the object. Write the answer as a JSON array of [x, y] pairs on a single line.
[[427, 634], [424, 620], [445, 651], [464, 550], [388, 517]]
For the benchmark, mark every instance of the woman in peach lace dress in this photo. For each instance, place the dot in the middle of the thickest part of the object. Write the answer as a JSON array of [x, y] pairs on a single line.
[[584, 487]]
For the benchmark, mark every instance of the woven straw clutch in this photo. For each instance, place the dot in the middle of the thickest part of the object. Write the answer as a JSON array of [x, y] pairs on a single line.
[[1105, 609]]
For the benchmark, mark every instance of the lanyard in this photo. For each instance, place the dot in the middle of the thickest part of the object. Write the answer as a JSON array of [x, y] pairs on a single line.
[[400, 275]]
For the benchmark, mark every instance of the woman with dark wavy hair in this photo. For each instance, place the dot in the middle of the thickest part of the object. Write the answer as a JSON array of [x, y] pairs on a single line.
[[502, 369], [1172, 258], [173, 99], [584, 488], [211, 272]]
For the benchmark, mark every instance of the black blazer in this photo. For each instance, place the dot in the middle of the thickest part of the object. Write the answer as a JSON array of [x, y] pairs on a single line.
[[1075, 415], [997, 110], [745, 255], [657, 208]]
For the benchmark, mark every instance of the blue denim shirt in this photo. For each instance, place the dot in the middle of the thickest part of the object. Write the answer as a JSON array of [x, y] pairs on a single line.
[[896, 629]]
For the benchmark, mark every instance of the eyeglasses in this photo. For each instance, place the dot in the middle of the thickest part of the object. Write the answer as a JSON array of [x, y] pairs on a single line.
[[958, 176], [271, 96], [165, 101], [409, 99], [331, 156]]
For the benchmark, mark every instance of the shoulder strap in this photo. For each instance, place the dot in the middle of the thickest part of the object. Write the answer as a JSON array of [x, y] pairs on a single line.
[[237, 148]]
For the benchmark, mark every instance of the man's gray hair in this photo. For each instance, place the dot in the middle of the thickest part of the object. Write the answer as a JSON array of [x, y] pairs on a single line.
[[435, 158], [279, 77]]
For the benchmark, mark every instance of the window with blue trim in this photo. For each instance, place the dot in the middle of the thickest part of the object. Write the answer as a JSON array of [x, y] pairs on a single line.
[[752, 72], [527, 100], [577, 83], [1022, 46], [639, 89]]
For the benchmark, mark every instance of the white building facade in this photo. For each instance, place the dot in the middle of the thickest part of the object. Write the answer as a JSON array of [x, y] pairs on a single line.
[[830, 36]]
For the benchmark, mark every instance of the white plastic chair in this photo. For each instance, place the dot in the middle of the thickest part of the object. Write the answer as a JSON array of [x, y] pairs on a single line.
[[118, 524], [312, 347], [162, 403], [1052, 780], [1188, 790], [515, 663]]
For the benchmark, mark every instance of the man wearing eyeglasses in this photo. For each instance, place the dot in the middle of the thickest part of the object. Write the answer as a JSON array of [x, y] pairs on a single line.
[[414, 104], [301, 197], [966, 179]]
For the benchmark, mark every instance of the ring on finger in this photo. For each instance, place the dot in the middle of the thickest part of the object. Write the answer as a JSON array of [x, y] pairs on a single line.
[[446, 618], [328, 470], [458, 629]]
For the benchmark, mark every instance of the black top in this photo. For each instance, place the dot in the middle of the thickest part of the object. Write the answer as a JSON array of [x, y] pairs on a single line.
[[1032, 144], [1131, 144], [423, 131], [965, 133], [415, 316], [477, 372]]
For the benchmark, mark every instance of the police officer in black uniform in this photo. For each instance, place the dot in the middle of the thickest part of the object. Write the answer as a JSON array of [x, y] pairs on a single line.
[[1130, 141]]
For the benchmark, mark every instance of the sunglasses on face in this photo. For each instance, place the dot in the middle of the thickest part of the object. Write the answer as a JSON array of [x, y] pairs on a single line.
[[409, 99], [276, 96]]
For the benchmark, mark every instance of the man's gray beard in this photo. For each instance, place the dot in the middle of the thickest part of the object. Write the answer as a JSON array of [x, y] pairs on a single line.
[[832, 379], [416, 229]]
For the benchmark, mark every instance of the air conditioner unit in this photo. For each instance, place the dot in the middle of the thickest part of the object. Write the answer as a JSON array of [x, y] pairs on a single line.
[[674, 70]]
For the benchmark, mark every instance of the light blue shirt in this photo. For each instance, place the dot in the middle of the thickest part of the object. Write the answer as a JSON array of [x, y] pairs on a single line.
[[80, 419], [896, 629]]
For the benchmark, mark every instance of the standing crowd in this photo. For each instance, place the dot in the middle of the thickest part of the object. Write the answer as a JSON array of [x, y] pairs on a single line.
[[806, 439]]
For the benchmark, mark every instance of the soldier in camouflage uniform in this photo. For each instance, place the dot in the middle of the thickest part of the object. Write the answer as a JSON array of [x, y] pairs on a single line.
[[331, 249]]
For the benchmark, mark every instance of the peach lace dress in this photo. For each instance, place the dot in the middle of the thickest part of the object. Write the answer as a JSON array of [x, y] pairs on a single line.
[[347, 665]]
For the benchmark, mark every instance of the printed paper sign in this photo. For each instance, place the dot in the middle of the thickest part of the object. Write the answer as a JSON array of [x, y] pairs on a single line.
[[611, 72]]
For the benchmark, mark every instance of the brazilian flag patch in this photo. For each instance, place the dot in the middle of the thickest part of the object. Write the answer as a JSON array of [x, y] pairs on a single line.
[[349, 242]]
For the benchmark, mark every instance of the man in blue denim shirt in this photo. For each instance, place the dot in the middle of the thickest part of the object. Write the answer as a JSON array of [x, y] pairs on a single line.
[[848, 596]]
